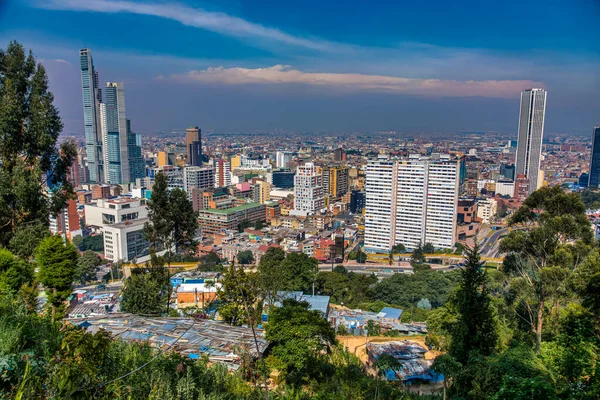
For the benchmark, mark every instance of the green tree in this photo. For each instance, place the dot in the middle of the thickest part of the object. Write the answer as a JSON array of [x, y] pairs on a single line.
[[553, 240], [418, 255], [29, 130], [14, 273], [299, 271], [300, 340], [158, 230], [86, 267], [428, 248], [476, 328], [245, 257], [399, 248], [373, 328], [147, 288], [446, 365], [270, 272], [361, 257], [27, 238], [237, 294], [424, 304], [211, 262], [57, 261]]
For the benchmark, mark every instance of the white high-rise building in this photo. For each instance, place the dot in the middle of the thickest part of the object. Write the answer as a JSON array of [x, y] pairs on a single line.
[[531, 133], [411, 201], [308, 190], [283, 158], [198, 178]]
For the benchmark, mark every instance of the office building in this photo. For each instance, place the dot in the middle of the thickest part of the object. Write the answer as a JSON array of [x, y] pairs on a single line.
[[117, 141], [107, 212], [584, 179], [213, 221], [281, 179], [222, 173], [507, 171], [193, 140], [594, 175], [522, 187], [198, 178], [339, 155], [308, 190], [283, 158], [411, 201], [125, 241], [92, 97], [262, 192], [531, 133], [100, 192], [357, 201], [137, 167], [335, 180], [505, 187], [486, 210]]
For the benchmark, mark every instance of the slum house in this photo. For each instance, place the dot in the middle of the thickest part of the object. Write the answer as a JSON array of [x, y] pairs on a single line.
[[388, 319], [315, 302], [192, 338], [411, 357]]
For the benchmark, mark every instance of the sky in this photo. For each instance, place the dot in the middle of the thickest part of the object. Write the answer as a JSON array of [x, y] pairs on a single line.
[[324, 66]]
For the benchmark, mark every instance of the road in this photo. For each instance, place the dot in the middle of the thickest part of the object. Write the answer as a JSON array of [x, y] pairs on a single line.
[[490, 248]]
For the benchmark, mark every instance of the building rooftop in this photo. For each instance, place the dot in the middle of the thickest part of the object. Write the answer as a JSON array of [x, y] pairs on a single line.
[[130, 223], [192, 338], [232, 210]]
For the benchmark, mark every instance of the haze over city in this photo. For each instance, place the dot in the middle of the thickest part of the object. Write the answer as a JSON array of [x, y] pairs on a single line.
[[311, 66]]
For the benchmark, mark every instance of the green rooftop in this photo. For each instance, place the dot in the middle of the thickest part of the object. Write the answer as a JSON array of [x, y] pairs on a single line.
[[232, 210]]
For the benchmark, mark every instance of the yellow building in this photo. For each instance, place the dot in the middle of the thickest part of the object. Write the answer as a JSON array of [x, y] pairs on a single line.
[[335, 180], [262, 192], [235, 162], [162, 158]]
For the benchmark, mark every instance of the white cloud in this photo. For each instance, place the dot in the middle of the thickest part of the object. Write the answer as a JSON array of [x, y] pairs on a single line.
[[213, 21], [281, 74]]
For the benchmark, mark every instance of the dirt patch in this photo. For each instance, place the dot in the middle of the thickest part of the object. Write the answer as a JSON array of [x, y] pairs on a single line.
[[357, 344]]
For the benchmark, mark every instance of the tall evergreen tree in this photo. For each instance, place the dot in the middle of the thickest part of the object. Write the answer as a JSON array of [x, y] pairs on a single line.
[[33, 177], [554, 238], [57, 261], [475, 328]]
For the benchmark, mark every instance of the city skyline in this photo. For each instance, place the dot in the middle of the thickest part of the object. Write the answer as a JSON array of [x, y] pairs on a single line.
[[202, 63]]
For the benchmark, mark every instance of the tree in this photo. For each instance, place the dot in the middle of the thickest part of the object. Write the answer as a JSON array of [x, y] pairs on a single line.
[[245, 257], [243, 225], [418, 256], [258, 225], [399, 248], [270, 272], [373, 328], [57, 261], [184, 221], [29, 131], [299, 271], [553, 240], [14, 273], [361, 257], [300, 339], [147, 288], [475, 329], [211, 262], [428, 248], [158, 230], [236, 294], [27, 238], [446, 365], [424, 304], [86, 267]]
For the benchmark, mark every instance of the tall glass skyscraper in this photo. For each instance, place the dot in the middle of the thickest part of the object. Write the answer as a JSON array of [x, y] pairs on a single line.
[[531, 133], [137, 168], [117, 135], [92, 97], [594, 179]]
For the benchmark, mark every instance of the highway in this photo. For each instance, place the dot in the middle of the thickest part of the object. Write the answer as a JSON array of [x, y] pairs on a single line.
[[490, 248]]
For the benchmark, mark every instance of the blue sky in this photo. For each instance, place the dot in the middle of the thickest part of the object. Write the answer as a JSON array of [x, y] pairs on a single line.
[[321, 66]]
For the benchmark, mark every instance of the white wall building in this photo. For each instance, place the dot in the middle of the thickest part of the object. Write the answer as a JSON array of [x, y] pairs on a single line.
[[112, 211], [505, 187], [198, 178], [283, 158], [125, 241], [308, 190], [486, 210], [411, 201]]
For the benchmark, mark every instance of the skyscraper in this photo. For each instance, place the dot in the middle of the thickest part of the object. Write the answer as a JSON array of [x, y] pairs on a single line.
[[193, 141], [116, 134], [137, 168], [531, 133], [92, 97], [308, 190], [594, 179], [411, 201]]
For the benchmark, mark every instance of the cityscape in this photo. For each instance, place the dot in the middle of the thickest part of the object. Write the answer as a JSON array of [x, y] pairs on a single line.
[[224, 258]]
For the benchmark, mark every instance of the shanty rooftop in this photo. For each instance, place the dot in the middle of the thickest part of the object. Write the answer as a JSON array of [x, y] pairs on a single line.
[[192, 338]]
